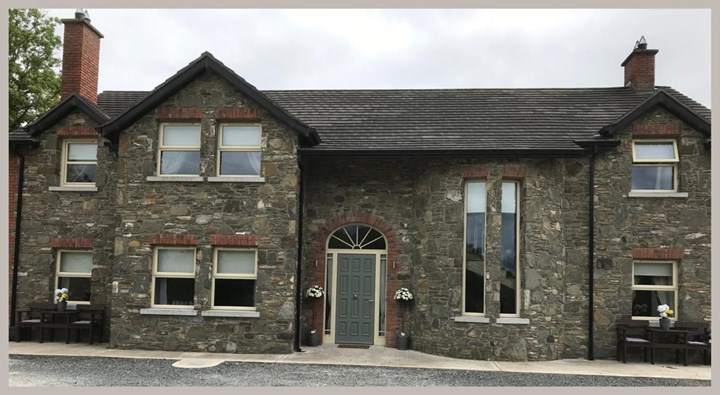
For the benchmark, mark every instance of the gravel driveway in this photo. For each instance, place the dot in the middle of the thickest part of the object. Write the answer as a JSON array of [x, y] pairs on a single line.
[[25, 370]]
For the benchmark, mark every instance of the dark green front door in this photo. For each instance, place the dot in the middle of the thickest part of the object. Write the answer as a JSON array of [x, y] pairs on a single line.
[[355, 316]]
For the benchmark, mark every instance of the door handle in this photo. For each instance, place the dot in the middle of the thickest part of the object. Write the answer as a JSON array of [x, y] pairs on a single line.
[[371, 300], [355, 296]]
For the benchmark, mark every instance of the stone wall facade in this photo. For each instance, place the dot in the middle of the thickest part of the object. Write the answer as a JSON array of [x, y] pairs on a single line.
[[423, 203], [651, 228], [205, 215], [53, 220], [418, 204]]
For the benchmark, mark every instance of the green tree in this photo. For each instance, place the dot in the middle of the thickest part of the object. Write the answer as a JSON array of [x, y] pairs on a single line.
[[34, 83]]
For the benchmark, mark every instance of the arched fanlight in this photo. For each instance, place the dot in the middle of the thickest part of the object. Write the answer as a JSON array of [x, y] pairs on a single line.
[[357, 237]]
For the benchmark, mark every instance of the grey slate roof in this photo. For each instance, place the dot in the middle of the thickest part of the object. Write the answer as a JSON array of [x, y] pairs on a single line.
[[449, 119]]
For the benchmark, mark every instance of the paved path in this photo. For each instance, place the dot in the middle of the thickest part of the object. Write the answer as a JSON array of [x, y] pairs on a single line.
[[375, 357]]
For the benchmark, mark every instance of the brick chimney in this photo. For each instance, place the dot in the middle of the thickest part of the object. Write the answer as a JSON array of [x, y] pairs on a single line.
[[640, 66], [81, 57]]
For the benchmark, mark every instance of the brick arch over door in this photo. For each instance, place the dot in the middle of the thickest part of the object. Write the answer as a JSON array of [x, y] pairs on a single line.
[[318, 246]]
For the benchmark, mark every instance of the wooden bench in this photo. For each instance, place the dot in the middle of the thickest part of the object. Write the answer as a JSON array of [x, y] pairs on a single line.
[[632, 334]]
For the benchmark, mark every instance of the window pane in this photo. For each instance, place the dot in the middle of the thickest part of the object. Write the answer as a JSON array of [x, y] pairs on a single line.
[[174, 291], [383, 291], [234, 293], [79, 288], [241, 136], [508, 244], [236, 262], [234, 163], [80, 173], [176, 261], [645, 303], [653, 273], [76, 262], [82, 151], [659, 151], [180, 162], [476, 197], [652, 177], [183, 135], [475, 248], [328, 291]]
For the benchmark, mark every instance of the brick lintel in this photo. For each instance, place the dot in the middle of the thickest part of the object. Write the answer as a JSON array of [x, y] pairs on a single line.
[[67, 243], [235, 240], [657, 253], [173, 239]]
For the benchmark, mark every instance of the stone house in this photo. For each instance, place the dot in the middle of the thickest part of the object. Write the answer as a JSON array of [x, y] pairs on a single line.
[[524, 221]]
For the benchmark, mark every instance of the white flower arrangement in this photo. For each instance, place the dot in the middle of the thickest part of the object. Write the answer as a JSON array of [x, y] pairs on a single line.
[[315, 291], [62, 295], [403, 295], [664, 310]]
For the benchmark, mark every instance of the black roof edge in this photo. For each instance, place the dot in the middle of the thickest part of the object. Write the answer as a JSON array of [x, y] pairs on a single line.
[[662, 98], [206, 62], [62, 109], [464, 153], [599, 144]]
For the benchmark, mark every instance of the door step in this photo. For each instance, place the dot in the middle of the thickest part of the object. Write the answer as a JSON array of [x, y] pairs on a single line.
[[363, 346]]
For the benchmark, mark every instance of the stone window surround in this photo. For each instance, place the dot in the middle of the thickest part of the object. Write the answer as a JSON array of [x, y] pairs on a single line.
[[509, 173], [216, 240], [194, 115]]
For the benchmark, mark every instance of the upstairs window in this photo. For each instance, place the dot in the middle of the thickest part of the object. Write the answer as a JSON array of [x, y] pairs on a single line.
[[239, 150], [179, 150], [654, 165], [79, 162]]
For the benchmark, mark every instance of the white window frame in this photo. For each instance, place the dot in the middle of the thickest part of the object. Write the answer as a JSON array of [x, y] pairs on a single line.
[[156, 274], [66, 162], [238, 148], [518, 271], [655, 316], [657, 163], [162, 147], [59, 274], [485, 283], [216, 275]]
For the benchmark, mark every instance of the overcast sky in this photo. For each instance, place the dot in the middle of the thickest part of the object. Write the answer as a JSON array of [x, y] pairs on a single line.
[[395, 49]]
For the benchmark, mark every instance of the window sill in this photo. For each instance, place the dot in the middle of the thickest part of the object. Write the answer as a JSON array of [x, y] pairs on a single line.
[[236, 179], [175, 178], [659, 194], [476, 320], [513, 320], [231, 313], [157, 311], [73, 189]]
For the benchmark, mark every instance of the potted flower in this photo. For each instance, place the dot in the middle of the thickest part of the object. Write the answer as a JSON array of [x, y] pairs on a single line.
[[403, 296], [664, 311], [61, 298], [314, 293]]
